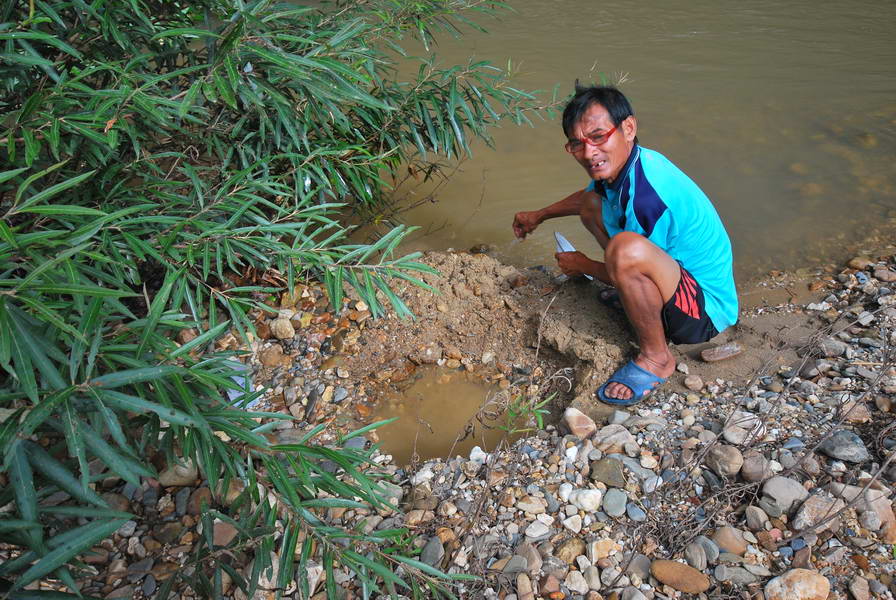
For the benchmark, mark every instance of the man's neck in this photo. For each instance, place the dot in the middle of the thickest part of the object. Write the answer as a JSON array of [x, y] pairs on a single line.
[[622, 170]]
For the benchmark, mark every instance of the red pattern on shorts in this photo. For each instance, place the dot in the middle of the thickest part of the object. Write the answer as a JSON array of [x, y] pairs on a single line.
[[686, 296]]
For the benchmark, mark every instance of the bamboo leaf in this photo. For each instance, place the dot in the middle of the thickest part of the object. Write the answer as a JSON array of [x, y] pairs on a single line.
[[132, 376], [88, 535], [56, 472]]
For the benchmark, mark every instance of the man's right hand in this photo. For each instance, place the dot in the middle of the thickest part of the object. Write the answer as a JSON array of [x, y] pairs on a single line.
[[525, 223]]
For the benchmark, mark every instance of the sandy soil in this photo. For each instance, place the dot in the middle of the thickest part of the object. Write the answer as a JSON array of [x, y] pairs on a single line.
[[559, 332]]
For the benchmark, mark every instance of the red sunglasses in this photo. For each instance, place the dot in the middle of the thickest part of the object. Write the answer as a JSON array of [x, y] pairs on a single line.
[[595, 139]]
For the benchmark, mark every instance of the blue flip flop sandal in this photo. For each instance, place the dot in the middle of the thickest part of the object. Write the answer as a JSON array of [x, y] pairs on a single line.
[[640, 381]]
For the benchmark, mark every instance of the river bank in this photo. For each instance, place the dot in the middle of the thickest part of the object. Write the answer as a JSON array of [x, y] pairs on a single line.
[[719, 484]]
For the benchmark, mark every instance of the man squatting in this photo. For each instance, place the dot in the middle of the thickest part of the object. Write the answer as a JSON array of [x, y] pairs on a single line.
[[666, 252]]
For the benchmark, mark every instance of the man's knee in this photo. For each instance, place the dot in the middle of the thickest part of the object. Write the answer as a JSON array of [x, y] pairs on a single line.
[[627, 249]]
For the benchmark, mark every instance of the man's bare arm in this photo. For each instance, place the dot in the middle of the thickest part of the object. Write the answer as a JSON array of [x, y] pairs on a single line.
[[575, 264], [525, 222]]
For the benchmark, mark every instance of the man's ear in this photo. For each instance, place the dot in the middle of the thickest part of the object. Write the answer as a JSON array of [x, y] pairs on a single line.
[[630, 128]]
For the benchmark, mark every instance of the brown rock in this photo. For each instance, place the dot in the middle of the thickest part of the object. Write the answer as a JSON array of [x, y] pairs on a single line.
[[725, 460], [580, 424], [679, 576], [187, 335], [755, 468], [569, 550], [272, 356], [860, 262], [766, 541], [419, 517], [815, 509], [802, 558], [117, 502], [96, 556], [612, 439], [524, 589], [856, 412], [722, 352], [126, 591], [263, 330], [859, 588], [693, 383], [426, 355], [199, 497], [730, 540], [861, 561], [885, 275], [883, 403], [283, 329], [223, 533], [453, 352], [549, 585], [168, 533], [179, 475], [798, 584]]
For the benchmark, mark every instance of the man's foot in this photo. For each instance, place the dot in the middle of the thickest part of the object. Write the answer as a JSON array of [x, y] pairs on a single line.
[[610, 297], [649, 374]]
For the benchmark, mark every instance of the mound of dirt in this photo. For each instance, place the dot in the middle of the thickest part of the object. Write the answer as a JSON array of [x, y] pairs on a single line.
[[495, 318]]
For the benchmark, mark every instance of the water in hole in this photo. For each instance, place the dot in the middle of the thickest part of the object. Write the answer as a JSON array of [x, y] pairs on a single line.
[[437, 416]]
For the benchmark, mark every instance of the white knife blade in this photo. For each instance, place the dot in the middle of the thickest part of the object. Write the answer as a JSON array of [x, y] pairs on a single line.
[[563, 245]]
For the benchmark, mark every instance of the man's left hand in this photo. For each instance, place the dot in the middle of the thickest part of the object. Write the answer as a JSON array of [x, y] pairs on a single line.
[[575, 264]]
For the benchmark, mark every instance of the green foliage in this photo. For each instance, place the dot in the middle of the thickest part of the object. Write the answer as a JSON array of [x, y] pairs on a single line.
[[525, 414], [170, 165]]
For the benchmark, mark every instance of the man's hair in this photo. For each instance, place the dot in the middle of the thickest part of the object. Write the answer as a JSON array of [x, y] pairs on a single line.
[[607, 96]]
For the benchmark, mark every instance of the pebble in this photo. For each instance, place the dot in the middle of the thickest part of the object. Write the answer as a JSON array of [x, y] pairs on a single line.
[[573, 523], [709, 548], [696, 556], [679, 576], [537, 530], [565, 500], [635, 513], [722, 352], [735, 575], [798, 584], [814, 510], [846, 446], [588, 500], [614, 502], [729, 539], [784, 492], [608, 471], [693, 383], [182, 474], [433, 552], [579, 424], [755, 468], [724, 460], [283, 329], [568, 550]]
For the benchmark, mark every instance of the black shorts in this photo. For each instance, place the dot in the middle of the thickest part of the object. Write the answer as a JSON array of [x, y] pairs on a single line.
[[684, 316]]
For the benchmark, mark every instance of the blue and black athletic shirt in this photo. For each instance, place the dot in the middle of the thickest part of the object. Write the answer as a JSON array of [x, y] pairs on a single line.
[[654, 198]]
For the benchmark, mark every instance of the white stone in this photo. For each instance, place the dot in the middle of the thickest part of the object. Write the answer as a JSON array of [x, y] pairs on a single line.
[[537, 529], [573, 523], [478, 455], [588, 500], [564, 491], [575, 581]]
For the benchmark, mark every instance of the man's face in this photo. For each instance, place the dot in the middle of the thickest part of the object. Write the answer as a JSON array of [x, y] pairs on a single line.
[[604, 162]]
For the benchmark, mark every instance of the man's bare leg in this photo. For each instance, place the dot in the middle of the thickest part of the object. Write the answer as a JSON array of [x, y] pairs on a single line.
[[646, 278]]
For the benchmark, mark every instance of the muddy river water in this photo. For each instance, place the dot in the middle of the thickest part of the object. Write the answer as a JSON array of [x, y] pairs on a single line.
[[783, 112]]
